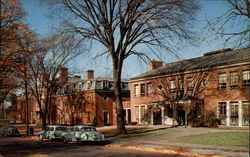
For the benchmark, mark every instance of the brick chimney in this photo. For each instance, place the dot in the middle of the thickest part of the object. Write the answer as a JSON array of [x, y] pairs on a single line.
[[154, 64], [63, 75], [89, 74]]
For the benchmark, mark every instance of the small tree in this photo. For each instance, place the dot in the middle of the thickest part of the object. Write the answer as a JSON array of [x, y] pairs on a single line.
[[44, 67], [12, 30], [175, 91]]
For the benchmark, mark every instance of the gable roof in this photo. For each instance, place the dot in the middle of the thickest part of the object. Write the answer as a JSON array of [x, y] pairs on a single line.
[[209, 60]]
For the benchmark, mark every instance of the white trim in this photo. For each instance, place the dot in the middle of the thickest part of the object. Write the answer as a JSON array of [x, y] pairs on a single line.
[[228, 111]]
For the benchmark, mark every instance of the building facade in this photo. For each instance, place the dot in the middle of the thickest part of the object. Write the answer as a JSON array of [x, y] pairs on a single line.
[[218, 82], [88, 101]]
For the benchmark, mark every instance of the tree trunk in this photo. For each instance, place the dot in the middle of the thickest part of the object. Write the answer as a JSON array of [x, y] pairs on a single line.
[[118, 98], [26, 104], [43, 121], [186, 124]]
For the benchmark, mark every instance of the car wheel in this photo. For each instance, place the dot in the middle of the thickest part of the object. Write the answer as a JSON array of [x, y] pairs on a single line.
[[41, 137], [79, 142], [64, 140], [50, 139]]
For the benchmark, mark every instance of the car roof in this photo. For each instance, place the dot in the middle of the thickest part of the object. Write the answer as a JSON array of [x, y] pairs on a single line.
[[8, 127]]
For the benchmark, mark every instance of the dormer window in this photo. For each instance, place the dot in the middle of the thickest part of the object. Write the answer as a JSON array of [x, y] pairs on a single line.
[[88, 84], [105, 84], [79, 86]]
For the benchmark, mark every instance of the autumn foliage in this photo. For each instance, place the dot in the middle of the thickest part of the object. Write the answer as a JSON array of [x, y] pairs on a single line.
[[13, 32]]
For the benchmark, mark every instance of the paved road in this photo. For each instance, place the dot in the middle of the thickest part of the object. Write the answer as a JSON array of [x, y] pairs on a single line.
[[24, 147]]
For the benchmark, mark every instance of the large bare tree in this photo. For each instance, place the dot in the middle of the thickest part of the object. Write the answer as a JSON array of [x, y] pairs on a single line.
[[121, 26], [233, 25]]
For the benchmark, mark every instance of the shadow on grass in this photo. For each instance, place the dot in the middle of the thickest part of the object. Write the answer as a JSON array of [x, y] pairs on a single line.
[[135, 132]]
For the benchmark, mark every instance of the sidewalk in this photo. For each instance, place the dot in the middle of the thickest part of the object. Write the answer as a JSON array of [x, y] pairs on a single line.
[[159, 144]]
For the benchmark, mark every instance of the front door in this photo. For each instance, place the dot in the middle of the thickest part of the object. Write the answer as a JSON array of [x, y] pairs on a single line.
[[181, 116], [157, 116], [106, 118]]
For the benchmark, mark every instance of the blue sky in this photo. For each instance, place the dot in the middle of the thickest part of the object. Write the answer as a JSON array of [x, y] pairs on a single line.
[[37, 20]]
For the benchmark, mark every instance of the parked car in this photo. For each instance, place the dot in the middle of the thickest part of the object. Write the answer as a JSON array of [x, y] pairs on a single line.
[[84, 133], [53, 132], [9, 131]]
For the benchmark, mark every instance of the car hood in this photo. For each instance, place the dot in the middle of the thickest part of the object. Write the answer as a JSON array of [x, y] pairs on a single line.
[[93, 133]]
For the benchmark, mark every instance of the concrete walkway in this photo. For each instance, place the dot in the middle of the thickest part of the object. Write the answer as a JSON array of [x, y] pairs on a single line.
[[159, 143]]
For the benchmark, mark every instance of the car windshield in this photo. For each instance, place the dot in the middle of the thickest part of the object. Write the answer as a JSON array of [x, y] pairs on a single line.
[[88, 129], [61, 129], [47, 129]]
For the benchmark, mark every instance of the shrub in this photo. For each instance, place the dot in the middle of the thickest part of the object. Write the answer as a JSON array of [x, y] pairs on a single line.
[[211, 120], [133, 123]]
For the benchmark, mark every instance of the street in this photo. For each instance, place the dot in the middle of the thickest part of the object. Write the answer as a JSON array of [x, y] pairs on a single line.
[[26, 147]]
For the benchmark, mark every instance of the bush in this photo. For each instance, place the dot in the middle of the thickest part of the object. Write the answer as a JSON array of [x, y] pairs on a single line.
[[211, 120], [133, 123]]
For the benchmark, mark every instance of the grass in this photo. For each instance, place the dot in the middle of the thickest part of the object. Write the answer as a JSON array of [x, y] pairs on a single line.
[[138, 132], [216, 138]]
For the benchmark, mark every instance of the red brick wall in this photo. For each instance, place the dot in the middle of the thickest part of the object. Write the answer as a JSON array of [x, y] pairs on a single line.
[[211, 94]]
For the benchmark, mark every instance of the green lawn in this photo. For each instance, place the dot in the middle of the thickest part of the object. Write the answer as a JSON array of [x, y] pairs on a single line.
[[216, 138]]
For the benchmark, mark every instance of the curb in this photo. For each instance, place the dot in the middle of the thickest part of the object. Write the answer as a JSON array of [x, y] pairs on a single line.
[[164, 151]]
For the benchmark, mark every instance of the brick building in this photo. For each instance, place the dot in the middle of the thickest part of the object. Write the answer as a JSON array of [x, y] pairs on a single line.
[[218, 82], [87, 101]]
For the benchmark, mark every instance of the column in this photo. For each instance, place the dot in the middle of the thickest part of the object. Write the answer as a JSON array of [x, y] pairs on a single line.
[[228, 113], [240, 118], [139, 114], [126, 115], [162, 116], [146, 111]]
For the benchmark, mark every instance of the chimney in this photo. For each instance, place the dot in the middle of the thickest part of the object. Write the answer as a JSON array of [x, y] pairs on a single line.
[[89, 74], [154, 64], [63, 75]]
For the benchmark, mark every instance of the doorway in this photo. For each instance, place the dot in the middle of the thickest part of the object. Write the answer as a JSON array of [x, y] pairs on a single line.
[[106, 118], [157, 119]]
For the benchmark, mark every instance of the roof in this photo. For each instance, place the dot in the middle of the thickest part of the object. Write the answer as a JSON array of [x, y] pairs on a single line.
[[209, 60]]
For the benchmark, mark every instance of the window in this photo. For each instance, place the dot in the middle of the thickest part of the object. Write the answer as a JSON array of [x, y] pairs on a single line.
[[172, 86], [190, 82], [143, 90], [246, 78], [233, 79], [160, 87], [222, 109], [222, 81], [181, 84], [105, 85], [136, 90], [204, 82], [79, 86], [149, 89], [234, 113], [246, 109]]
